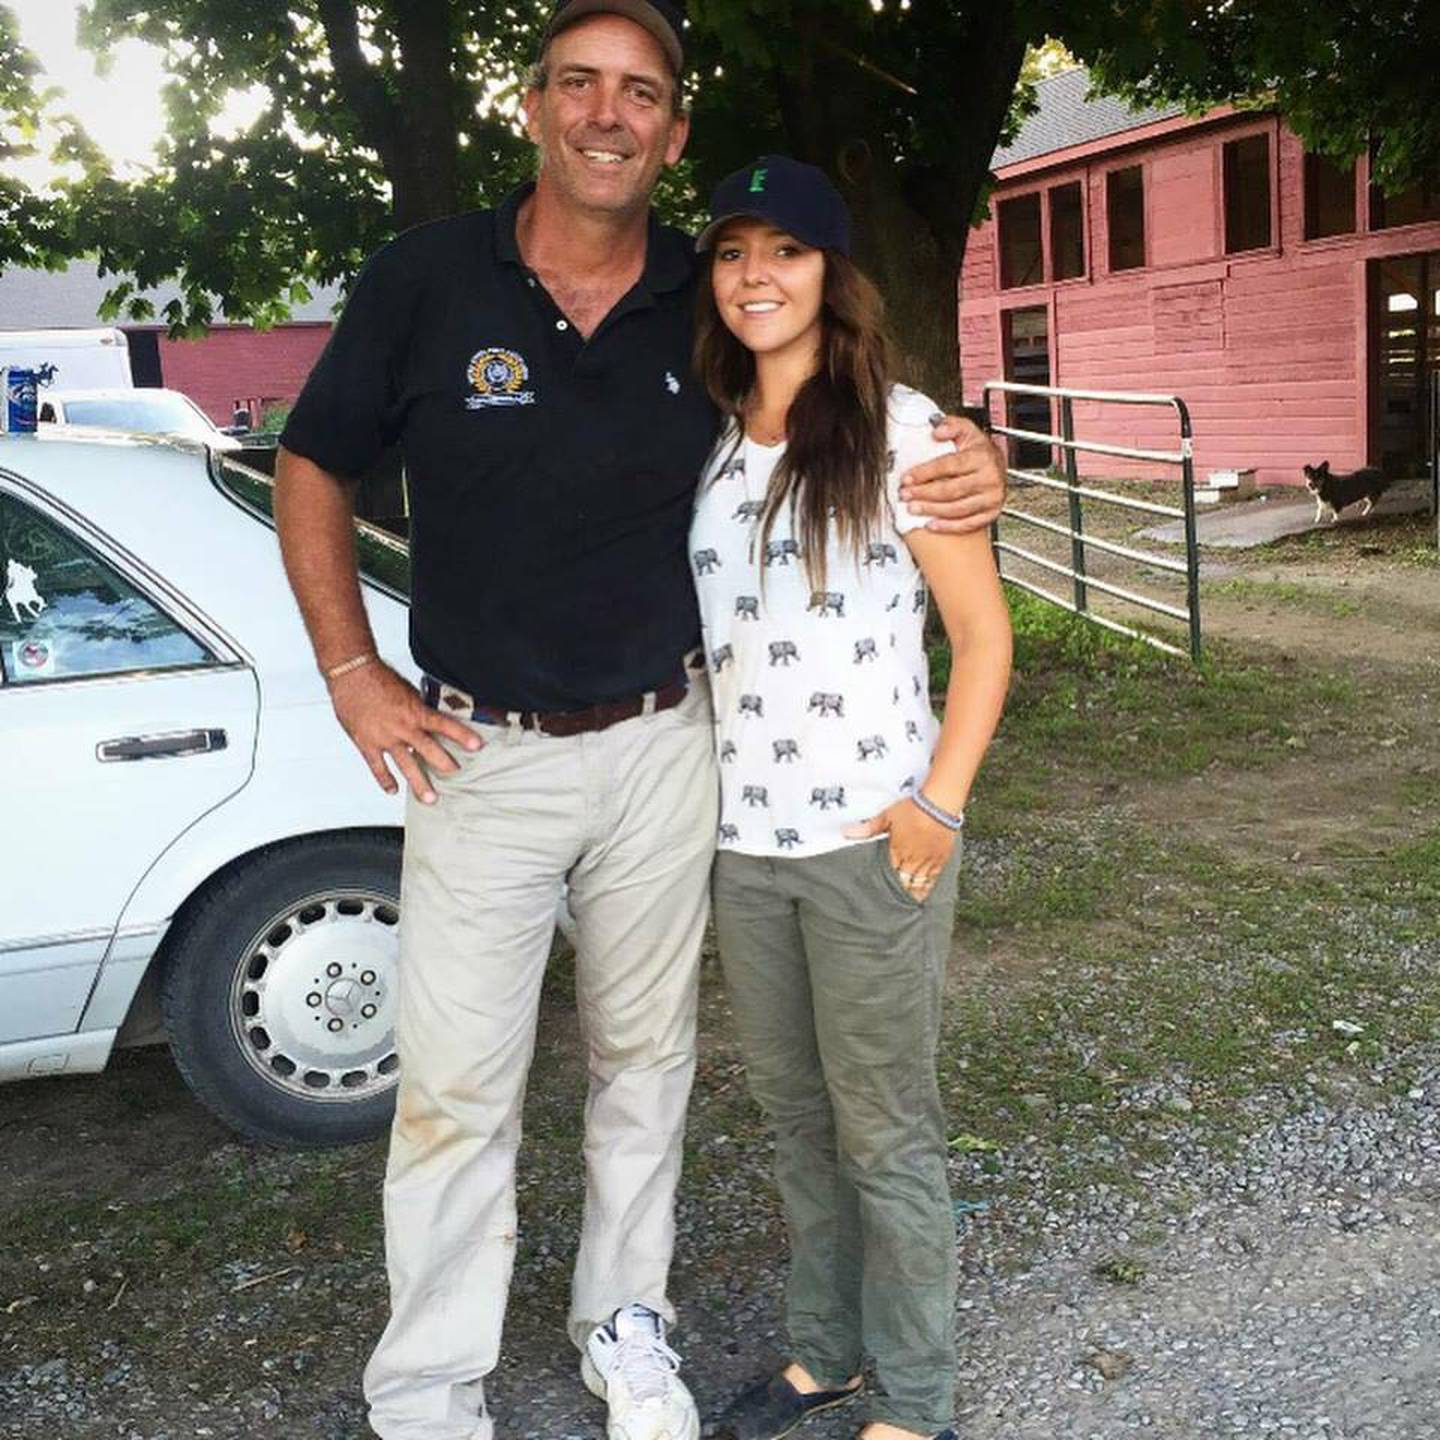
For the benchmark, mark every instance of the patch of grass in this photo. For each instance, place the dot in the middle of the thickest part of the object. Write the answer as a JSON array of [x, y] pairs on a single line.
[[206, 1217], [1420, 790], [1186, 983], [1120, 1270], [1068, 882], [1286, 592], [1406, 877], [1089, 705], [1405, 540]]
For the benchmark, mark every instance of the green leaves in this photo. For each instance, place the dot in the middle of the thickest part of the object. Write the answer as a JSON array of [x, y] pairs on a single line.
[[247, 222], [373, 117], [1340, 73]]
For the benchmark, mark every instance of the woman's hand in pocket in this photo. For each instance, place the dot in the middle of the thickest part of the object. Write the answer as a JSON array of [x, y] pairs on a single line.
[[919, 846]]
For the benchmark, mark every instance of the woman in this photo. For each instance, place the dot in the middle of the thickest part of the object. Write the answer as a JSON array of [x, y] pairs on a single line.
[[841, 808]]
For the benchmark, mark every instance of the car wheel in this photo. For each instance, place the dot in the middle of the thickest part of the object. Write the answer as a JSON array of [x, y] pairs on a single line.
[[278, 991]]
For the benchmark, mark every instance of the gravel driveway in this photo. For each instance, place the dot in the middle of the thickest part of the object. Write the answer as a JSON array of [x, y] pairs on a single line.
[[1299, 1296]]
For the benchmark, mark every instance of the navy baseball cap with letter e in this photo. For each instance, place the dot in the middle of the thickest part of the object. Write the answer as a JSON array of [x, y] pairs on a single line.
[[793, 196], [662, 18]]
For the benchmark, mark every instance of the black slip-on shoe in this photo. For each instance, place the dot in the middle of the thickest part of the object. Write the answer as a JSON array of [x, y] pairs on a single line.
[[771, 1408]]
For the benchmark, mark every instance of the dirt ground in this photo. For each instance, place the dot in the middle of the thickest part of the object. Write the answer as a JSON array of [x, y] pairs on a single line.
[[1381, 625], [159, 1279], [1362, 597]]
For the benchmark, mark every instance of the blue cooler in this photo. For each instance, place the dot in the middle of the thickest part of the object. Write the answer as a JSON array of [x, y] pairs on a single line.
[[20, 388]]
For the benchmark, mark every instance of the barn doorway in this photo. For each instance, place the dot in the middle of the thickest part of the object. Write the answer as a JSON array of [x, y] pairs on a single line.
[[1027, 362], [1405, 351]]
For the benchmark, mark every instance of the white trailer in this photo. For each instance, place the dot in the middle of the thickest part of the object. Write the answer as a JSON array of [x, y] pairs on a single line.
[[83, 359]]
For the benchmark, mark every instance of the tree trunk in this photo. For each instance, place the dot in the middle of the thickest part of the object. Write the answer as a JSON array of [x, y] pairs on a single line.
[[417, 136], [917, 267], [912, 219], [428, 187]]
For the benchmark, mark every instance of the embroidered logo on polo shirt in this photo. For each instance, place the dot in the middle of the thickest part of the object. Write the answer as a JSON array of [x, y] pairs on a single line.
[[498, 378], [671, 383]]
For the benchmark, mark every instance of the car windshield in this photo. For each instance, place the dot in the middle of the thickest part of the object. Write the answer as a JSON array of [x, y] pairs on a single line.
[[384, 558], [154, 414]]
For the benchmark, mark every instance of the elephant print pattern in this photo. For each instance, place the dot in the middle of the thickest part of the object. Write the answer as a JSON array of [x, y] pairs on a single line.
[[821, 697]]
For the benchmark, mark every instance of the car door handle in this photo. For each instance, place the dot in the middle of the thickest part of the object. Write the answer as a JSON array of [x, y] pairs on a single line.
[[159, 747]]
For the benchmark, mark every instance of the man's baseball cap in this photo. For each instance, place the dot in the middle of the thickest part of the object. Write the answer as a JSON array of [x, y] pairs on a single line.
[[794, 197], [662, 18]]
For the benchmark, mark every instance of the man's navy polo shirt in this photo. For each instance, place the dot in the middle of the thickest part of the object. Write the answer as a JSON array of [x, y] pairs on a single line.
[[551, 478]]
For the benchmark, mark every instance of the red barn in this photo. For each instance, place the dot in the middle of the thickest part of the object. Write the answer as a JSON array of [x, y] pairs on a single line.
[[1293, 307]]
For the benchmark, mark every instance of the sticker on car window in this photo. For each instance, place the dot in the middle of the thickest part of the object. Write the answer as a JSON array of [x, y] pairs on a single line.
[[20, 592], [32, 659]]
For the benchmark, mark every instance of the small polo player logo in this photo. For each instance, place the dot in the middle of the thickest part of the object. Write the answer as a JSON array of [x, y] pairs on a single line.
[[497, 377], [20, 591]]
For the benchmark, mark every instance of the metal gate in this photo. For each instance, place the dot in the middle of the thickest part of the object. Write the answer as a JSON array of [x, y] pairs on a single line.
[[1082, 582], [1434, 448]]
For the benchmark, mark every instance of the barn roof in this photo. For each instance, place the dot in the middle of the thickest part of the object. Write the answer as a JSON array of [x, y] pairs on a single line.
[[70, 299], [1069, 115]]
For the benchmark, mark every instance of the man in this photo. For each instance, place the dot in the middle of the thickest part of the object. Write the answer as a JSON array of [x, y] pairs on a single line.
[[535, 363]]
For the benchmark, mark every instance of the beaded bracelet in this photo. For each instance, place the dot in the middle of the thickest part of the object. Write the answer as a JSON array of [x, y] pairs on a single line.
[[927, 806]]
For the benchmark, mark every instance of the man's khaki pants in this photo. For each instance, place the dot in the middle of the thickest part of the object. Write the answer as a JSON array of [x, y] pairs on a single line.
[[627, 816]]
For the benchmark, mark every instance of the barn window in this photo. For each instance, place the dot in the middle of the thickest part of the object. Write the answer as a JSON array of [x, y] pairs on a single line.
[[1247, 194], [1021, 260], [1410, 206], [1067, 232], [1329, 197], [1125, 210]]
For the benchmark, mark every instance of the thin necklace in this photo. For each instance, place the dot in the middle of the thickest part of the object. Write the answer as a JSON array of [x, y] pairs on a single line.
[[761, 435]]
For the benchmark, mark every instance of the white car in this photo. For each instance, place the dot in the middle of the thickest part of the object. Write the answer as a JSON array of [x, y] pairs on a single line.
[[187, 837], [140, 411]]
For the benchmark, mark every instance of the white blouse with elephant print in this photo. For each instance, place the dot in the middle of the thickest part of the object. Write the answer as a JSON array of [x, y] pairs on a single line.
[[822, 704]]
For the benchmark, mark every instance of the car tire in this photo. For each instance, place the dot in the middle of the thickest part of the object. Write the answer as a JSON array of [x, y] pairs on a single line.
[[278, 990]]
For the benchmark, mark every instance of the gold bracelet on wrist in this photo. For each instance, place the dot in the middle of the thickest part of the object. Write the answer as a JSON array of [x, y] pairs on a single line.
[[345, 667]]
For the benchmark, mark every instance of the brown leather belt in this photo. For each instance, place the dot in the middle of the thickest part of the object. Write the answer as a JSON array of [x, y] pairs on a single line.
[[451, 700]]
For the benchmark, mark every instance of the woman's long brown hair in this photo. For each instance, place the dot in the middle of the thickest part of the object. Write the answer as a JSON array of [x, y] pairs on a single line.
[[836, 447]]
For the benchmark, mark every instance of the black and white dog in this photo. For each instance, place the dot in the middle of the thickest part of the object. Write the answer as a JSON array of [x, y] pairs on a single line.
[[1335, 492]]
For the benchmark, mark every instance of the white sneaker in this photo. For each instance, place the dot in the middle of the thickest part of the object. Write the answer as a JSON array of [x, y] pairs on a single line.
[[629, 1366], [484, 1425]]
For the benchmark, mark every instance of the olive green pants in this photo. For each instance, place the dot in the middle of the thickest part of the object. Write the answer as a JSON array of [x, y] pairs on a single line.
[[835, 976]]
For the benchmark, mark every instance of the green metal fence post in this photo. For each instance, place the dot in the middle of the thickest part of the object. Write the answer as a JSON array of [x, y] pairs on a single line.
[[1192, 544], [1077, 526], [986, 424]]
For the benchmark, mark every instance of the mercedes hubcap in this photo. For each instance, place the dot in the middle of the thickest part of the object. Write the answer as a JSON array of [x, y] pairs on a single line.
[[312, 1004]]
